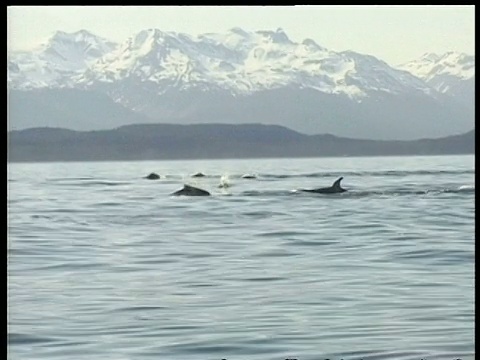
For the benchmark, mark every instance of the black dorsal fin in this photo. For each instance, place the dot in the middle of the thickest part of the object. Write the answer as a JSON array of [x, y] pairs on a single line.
[[336, 184]]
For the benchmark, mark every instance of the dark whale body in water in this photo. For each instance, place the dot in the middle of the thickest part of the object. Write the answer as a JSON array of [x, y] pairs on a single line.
[[191, 191], [152, 176], [334, 189], [198, 175]]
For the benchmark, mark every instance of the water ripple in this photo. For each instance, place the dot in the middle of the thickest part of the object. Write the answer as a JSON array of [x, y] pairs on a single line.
[[105, 264]]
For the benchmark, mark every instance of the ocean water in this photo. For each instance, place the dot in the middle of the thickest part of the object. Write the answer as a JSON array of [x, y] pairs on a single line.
[[103, 264]]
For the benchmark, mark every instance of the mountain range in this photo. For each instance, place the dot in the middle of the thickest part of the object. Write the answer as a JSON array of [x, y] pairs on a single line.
[[208, 141], [83, 82]]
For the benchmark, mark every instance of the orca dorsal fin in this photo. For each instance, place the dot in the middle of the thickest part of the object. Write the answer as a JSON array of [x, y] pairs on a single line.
[[336, 184]]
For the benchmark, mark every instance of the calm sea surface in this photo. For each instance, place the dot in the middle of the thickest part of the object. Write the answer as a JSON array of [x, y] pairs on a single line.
[[103, 264]]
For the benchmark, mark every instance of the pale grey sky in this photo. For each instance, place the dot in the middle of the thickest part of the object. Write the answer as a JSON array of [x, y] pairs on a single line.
[[395, 34]]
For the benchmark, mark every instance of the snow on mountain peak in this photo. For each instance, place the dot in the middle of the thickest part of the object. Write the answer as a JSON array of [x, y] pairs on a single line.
[[141, 55], [429, 57], [452, 63], [312, 45], [277, 36], [77, 47], [147, 38], [80, 35], [239, 61], [239, 31], [54, 62], [451, 73]]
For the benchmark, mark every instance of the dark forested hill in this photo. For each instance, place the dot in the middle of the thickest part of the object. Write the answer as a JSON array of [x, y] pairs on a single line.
[[168, 141]]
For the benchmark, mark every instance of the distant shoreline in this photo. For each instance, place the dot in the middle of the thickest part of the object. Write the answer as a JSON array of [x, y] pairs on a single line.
[[212, 141], [233, 158]]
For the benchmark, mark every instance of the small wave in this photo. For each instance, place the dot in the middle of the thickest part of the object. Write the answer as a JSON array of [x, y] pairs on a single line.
[[311, 243], [104, 183], [267, 193], [281, 234], [368, 173], [140, 308], [97, 183], [401, 192], [439, 256], [86, 181], [467, 188], [265, 279], [69, 179], [262, 214], [361, 193], [25, 339]]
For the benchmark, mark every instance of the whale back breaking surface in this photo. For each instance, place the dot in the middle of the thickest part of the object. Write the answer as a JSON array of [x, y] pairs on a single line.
[[334, 189], [152, 176], [191, 191]]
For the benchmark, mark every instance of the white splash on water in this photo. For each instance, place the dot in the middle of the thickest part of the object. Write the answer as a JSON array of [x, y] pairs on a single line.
[[224, 182]]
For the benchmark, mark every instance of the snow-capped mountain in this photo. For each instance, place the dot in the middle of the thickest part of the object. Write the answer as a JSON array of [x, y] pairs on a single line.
[[239, 61], [452, 73], [241, 76], [431, 66], [54, 63]]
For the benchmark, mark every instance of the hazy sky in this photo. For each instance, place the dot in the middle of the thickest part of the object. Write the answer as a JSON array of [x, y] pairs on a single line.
[[395, 34]]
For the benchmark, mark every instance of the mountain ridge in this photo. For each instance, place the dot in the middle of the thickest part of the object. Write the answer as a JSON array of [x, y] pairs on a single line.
[[236, 46], [241, 76], [209, 141]]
